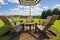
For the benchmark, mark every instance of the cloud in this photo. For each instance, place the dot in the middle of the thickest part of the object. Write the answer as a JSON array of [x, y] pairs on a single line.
[[14, 1], [45, 7], [2, 2], [23, 7], [24, 10], [18, 11], [19, 6], [36, 10], [0, 6], [1, 13], [14, 9], [56, 6]]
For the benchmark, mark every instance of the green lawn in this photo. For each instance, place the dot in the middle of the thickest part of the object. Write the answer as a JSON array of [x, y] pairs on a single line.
[[4, 29], [57, 27]]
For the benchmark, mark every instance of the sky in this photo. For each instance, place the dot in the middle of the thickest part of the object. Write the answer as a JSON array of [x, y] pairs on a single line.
[[13, 7]]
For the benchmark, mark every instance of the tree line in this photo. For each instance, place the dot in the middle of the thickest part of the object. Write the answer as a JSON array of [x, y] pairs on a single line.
[[50, 12]]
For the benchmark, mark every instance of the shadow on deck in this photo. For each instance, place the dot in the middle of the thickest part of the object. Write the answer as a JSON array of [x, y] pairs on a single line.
[[35, 35]]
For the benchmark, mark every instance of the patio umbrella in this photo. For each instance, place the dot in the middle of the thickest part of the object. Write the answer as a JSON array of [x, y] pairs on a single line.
[[29, 3]]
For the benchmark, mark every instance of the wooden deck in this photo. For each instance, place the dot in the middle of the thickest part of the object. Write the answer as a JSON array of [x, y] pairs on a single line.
[[36, 36], [28, 36]]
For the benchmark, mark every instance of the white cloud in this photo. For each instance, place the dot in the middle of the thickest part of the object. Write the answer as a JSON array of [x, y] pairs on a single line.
[[19, 10], [19, 6], [18, 13], [45, 7], [0, 6], [2, 2], [14, 9], [1, 13], [35, 10], [24, 7], [56, 6], [24, 10], [14, 1]]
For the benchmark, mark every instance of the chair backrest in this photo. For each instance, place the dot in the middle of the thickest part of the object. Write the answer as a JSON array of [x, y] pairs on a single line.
[[53, 19], [15, 28], [7, 22], [50, 20], [47, 20]]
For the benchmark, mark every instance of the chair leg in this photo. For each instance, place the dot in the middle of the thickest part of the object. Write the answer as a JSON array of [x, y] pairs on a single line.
[[23, 28], [13, 35], [52, 33], [30, 27], [44, 34], [35, 29]]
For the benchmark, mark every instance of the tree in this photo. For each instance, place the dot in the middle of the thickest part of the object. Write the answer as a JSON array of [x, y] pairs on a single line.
[[59, 14], [49, 13], [56, 11], [43, 16]]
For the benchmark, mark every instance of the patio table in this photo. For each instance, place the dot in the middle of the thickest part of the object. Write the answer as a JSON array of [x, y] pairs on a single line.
[[30, 25]]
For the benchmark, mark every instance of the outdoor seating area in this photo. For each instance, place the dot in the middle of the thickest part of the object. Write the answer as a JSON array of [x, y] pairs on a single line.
[[29, 20], [31, 28]]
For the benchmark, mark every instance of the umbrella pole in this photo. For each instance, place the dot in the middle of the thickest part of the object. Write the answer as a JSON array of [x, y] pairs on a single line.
[[30, 10]]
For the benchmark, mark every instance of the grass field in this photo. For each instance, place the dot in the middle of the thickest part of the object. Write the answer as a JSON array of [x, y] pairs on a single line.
[[4, 29]]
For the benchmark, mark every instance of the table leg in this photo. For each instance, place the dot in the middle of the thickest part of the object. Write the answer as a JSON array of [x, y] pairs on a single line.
[[33, 27], [30, 27]]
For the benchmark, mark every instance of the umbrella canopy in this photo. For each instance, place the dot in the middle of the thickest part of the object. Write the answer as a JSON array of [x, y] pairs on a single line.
[[29, 2]]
